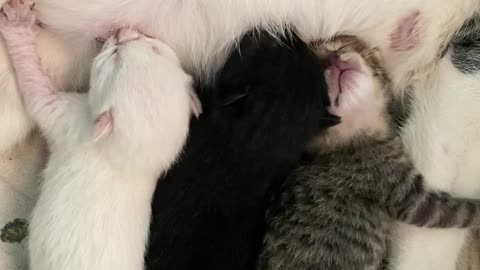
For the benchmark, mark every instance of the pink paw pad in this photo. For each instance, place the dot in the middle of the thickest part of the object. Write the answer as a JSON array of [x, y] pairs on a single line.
[[17, 14], [406, 35]]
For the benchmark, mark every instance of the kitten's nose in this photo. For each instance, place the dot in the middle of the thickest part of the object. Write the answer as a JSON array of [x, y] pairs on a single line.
[[125, 35]]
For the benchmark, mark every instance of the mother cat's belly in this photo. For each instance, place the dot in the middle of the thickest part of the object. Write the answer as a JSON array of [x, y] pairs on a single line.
[[444, 138], [201, 31]]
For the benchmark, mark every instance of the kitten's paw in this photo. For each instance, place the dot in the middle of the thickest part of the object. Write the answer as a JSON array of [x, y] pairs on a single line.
[[16, 14]]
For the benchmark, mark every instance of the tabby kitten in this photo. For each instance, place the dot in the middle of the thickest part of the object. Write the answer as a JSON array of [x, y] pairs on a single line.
[[335, 209]]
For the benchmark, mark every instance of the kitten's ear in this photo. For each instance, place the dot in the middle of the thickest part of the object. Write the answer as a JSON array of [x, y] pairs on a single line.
[[195, 104], [235, 96], [330, 120], [103, 125], [406, 35]]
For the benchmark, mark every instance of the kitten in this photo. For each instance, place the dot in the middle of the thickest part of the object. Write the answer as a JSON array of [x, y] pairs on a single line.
[[267, 103], [335, 209], [107, 148]]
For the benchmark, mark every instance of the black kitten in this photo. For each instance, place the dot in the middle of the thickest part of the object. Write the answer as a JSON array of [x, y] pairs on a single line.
[[268, 103]]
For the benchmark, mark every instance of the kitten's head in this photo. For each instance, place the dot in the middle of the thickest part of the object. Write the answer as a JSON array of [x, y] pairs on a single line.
[[359, 91], [140, 102], [270, 98]]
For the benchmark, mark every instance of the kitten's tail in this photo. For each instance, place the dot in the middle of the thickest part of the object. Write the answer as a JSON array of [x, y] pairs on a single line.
[[434, 209]]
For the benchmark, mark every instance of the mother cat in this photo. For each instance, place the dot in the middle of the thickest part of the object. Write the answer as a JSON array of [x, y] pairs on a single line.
[[202, 31]]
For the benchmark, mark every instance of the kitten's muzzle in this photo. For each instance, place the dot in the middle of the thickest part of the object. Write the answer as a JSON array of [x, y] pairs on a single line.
[[125, 35]]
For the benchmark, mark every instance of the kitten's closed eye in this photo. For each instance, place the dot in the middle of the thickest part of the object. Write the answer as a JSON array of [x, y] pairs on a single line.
[[235, 97]]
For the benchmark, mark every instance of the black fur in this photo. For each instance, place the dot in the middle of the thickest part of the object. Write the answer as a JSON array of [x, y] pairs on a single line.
[[268, 102]]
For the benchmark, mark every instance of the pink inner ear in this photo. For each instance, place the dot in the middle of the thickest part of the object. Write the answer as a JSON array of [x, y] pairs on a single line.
[[195, 104], [406, 35], [103, 125]]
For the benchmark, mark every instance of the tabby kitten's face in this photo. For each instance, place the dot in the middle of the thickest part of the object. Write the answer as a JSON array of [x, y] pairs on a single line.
[[359, 91]]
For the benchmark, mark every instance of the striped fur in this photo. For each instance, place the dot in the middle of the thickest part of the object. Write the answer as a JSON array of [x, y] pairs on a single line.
[[336, 209]]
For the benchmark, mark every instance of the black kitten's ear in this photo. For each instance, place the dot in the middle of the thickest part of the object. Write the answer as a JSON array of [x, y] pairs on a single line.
[[234, 97], [330, 120]]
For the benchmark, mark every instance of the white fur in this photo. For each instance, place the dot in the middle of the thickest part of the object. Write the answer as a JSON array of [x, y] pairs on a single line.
[[443, 135], [201, 32], [94, 206], [444, 139], [20, 174]]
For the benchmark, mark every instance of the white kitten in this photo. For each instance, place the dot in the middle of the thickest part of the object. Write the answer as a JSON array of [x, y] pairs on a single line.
[[107, 149]]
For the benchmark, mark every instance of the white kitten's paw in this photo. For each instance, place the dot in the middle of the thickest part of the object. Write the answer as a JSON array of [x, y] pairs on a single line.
[[16, 14]]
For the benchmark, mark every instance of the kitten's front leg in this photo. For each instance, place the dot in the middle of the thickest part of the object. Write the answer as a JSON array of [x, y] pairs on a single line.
[[17, 20]]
